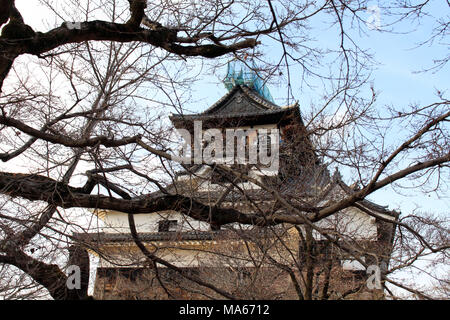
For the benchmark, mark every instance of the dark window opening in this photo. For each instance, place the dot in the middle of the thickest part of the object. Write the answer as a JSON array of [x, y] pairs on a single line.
[[167, 225]]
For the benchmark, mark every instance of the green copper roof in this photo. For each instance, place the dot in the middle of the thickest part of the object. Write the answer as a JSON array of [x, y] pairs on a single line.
[[239, 73]]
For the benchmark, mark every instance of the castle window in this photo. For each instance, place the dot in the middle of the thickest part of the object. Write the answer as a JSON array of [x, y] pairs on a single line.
[[269, 146], [167, 225]]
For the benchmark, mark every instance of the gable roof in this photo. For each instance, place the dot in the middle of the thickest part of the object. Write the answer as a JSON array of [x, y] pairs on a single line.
[[240, 99]]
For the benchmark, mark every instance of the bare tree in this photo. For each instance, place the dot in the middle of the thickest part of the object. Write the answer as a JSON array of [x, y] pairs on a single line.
[[83, 110]]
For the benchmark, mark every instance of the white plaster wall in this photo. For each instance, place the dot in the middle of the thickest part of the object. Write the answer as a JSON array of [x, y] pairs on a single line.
[[117, 222], [353, 223]]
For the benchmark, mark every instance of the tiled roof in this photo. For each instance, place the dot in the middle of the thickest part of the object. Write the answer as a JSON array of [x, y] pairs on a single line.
[[248, 92], [203, 116], [240, 102], [167, 236]]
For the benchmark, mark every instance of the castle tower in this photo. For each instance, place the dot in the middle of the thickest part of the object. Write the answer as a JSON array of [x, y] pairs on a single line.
[[228, 254]]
